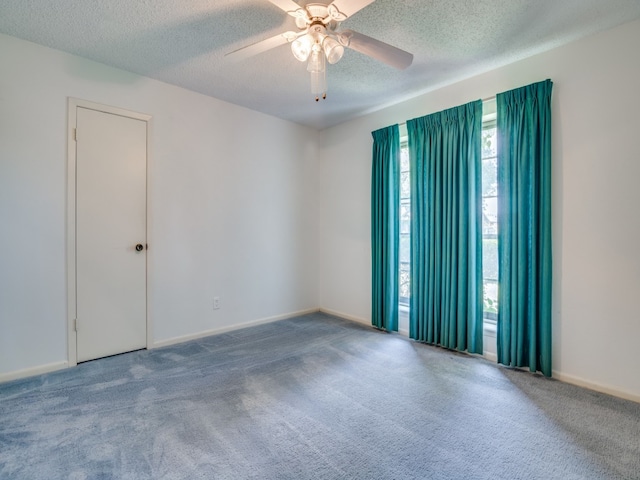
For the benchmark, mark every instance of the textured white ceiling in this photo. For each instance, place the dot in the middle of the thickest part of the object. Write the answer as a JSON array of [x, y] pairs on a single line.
[[183, 42]]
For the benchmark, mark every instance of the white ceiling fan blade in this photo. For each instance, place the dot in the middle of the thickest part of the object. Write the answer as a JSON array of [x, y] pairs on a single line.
[[291, 7], [340, 10], [376, 49], [262, 46]]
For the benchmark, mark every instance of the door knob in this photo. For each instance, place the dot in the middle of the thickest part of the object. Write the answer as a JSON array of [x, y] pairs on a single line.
[[139, 247]]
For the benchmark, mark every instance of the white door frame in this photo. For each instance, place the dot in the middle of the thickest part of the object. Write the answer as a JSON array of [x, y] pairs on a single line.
[[73, 104]]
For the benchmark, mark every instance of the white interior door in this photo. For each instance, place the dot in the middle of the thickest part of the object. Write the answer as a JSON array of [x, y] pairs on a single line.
[[111, 172]]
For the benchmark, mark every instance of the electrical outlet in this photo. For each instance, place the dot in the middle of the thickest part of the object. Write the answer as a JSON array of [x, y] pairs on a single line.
[[216, 303]]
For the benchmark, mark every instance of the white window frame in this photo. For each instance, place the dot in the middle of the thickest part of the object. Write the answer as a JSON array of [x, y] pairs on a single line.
[[489, 116]]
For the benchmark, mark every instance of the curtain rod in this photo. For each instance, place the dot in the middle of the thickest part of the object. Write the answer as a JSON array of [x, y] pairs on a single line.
[[486, 99]]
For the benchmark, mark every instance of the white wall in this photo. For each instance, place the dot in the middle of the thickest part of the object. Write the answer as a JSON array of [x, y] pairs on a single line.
[[596, 169], [233, 205]]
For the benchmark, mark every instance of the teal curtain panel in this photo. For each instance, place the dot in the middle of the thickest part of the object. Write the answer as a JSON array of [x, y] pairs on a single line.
[[446, 234], [385, 227], [524, 234]]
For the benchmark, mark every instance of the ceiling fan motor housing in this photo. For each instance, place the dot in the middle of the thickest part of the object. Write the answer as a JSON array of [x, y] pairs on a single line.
[[312, 13]]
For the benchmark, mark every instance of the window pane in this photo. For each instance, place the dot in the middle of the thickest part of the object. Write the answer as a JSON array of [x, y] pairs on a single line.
[[489, 177], [405, 226], [490, 299], [490, 259], [404, 159], [405, 185], [489, 142], [490, 222], [404, 282], [405, 218], [490, 216], [405, 249]]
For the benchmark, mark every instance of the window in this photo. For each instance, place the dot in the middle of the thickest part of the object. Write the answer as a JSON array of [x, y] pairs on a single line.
[[405, 225], [489, 218]]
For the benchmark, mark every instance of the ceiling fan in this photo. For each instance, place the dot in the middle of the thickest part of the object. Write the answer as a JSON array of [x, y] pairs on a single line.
[[318, 40]]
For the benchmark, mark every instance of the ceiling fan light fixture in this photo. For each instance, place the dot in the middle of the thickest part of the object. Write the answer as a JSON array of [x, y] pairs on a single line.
[[316, 62], [319, 84], [317, 68], [301, 48], [333, 50]]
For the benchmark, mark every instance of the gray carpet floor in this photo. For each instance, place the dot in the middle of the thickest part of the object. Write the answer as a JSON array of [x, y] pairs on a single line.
[[313, 397]]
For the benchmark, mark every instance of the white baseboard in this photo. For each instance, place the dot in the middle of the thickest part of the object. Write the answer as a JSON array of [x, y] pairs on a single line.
[[346, 316], [52, 367], [598, 387], [490, 356], [30, 372], [579, 382], [217, 331]]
